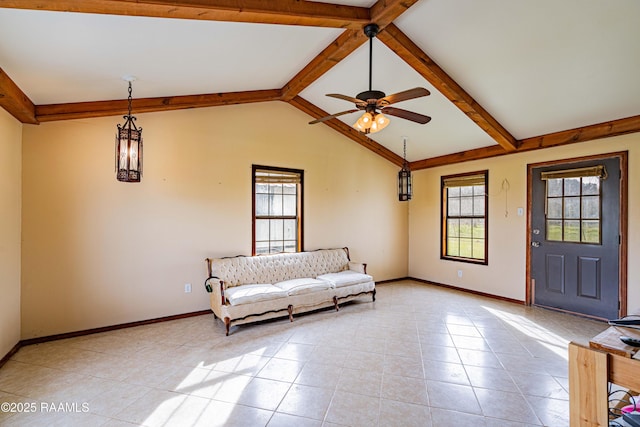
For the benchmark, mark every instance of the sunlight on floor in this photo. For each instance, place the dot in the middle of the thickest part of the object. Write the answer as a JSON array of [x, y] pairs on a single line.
[[542, 335]]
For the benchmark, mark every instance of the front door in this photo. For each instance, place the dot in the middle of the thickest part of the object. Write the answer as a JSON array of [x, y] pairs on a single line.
[[575, 236]]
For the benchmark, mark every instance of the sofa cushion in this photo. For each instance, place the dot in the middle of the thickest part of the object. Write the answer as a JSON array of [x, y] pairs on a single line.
[[303, 285], [247, 294], [345, 278]]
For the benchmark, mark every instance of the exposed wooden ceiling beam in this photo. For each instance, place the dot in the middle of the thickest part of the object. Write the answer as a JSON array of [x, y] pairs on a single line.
[[383, 12], [346, 130], [285, 12], [83, 110], [15, 101], [341, 47], [582, 134], [571, 136], [406, 49]]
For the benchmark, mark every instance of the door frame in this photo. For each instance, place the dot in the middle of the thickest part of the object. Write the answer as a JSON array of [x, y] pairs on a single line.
[[622, 248]]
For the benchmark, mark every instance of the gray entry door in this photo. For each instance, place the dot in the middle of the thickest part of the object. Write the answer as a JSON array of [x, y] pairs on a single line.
[[575, 226]]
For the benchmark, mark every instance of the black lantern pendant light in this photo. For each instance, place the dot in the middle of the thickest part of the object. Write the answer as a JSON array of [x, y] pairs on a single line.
[[404, 177], [129, 147]]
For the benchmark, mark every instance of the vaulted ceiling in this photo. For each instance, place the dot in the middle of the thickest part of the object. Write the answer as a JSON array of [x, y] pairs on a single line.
[[505, 76]]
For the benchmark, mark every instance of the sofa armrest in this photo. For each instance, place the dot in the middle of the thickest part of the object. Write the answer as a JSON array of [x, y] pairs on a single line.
[[215, 286], [360, 267]]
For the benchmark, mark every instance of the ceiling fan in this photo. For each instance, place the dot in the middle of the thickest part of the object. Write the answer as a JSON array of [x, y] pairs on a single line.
[[375, 102]]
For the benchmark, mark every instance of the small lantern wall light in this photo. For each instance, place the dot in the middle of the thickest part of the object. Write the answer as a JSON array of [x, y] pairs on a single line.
[[129, 146], [404, 176]]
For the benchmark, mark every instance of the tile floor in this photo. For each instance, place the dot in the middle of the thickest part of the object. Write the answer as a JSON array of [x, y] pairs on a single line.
[[419, 356]]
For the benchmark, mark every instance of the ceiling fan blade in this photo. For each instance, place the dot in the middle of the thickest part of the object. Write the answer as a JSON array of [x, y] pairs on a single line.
[[322, 119], [405, 95], [408, 115], [348, 98]]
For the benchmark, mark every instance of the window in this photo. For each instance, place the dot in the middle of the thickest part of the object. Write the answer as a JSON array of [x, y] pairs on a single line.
[[464, 217], [277, 210], [573, 204]]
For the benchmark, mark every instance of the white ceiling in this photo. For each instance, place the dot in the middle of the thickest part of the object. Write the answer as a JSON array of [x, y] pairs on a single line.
[[537, 66]]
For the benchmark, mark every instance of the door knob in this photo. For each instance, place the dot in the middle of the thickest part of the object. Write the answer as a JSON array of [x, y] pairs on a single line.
[[535, 244]]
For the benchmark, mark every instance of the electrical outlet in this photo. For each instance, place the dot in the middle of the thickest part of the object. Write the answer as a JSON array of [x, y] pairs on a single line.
[[459, 273], [187, 288]]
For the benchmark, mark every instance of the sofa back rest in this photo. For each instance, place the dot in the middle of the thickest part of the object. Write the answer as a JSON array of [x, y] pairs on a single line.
[[243, 270]]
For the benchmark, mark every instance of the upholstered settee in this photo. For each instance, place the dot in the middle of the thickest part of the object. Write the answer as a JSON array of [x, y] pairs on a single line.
[[247, 289]]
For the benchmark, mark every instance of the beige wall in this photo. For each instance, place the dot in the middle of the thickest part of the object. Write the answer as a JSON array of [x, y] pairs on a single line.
[[10, 207], [505, 274], [97, 252]]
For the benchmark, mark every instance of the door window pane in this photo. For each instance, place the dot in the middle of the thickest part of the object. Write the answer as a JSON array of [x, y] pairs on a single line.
[[554, 208], [571, 186], [590, 185], [573, 209], [554, 187], [591, 231], [554, 230], [591, 207], [572, 231]]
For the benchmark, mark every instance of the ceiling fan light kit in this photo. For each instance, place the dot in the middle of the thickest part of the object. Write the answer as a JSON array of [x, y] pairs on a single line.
[[375, 102]]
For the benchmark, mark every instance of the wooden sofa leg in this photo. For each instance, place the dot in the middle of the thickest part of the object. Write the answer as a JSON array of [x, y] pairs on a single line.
[[374, 295], [335, 302], [227, 324], [290, 310]]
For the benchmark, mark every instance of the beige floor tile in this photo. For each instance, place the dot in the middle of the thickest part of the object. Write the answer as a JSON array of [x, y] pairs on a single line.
[[355, 410], [405, 389], [223, 414], [486, 359], [281, 370], [541, 385], [154, 408], [507, 406], [365, 360], [552, 412], [454, 397], [286, 420], [264, 394], [305, 401], [403, 414], [451, 418], [329, 355], [362, 382], [491, 378], [115, 399], [447, 372], [319, 375], [328, 364], [403, 366], [295, 351]]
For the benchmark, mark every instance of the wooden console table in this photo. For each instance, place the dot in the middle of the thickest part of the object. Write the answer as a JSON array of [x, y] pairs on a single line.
[[606, 359]]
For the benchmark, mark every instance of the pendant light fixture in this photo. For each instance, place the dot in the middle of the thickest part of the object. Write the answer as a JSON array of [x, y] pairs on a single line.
[[404, 176], [129, 146]]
